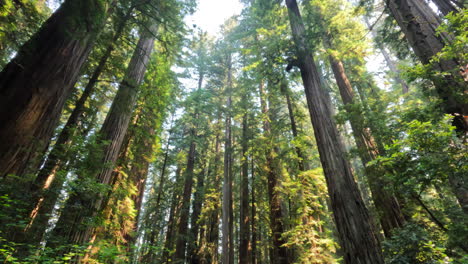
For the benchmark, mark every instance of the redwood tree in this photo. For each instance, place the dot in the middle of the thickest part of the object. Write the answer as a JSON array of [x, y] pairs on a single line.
[[358, 241], [36, 83]]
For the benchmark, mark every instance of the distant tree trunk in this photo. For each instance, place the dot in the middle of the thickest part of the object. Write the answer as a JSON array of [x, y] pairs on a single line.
[[212, 232], [36, 83], [244, 227], [286, 92], [227, 225], [193, 254], [419, 22], [182, 227], [278, 254], [171, 223], [111, 135], [138, 175], [358, 241], [387, 205], [388, 60], [46, 187], [253, 209]]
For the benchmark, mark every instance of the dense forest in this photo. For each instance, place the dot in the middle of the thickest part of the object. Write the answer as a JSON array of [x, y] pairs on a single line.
[[305, 131]]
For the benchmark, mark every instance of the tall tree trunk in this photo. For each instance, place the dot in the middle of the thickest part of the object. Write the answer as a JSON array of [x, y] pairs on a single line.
[[387, 205], [253, 209], [36, 83], [287, 93], [46, 187], [358, 241], [193, 253], [111, 135], [182, 228], [138, 175], [419, 22], [171, 223], [244, 227], [227, 225], [212, 232], [278, 253]]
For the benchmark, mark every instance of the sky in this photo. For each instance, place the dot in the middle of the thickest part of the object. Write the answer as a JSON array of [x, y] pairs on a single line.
[[211, 14]]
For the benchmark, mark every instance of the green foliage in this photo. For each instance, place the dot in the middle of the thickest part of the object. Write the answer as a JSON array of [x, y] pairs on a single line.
[[19, 20], [413, 244]]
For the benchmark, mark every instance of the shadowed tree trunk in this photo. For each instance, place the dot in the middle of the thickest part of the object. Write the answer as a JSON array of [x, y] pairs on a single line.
[[286, 92], [171, 223], [387, 205], [447, 6], [212, 232], [419, 22], [182, 228], [192, 252], [253, 209], [244, 227], [227, 224], [81, 206], [46, 187], [357, 239], [36, 83], [278, 253]]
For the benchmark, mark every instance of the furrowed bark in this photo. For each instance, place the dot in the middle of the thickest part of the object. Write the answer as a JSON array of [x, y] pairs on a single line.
[[278, 253], [71, 226], [387, 205], [419, 22], [36, 83], [357, 239], [46, 187]]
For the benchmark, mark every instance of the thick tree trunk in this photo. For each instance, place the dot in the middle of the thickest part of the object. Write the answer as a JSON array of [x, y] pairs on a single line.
[[36, 83], [70, 225], [419, 22], [182, 228], [358, 241], [278, 253], [387, 205], [446, 6], [46, 187], [244, 227]]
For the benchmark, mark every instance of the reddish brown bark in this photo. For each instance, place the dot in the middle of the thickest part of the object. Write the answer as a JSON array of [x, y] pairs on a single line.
[[72, 225], [419, 22], [36, 83], [387, 205], [357, 239]]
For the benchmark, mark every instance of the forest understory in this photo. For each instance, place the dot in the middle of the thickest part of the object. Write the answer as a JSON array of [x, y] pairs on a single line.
[[302, 132]]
